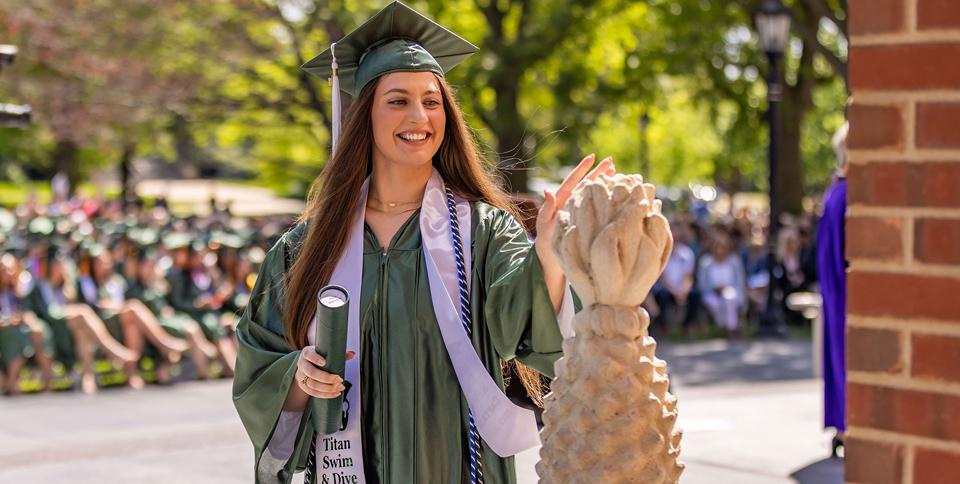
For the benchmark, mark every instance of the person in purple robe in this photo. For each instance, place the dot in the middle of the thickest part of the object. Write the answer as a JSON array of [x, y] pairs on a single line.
[[831, 271]]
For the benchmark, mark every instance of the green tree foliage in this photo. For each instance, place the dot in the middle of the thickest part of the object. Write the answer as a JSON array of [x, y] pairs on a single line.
[[219, 81]]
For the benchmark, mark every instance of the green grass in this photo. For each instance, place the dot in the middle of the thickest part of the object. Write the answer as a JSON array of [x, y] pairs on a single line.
[[16, 193]]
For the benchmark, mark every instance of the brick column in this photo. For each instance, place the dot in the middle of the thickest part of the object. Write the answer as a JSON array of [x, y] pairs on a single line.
[[903, 242]]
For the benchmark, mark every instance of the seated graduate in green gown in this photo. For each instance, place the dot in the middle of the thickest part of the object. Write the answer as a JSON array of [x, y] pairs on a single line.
[[149, 287], [411, 222], [22, 335], [76, 329], [200, 291], [128, 320]]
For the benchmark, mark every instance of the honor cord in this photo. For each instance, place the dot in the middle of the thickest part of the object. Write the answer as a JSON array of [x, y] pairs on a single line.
[[476, 467]]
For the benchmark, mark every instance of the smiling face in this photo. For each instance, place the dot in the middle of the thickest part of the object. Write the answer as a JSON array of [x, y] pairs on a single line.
[[407, 118]]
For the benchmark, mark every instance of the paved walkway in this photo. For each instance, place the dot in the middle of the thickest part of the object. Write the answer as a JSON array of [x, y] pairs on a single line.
[[741, 425]]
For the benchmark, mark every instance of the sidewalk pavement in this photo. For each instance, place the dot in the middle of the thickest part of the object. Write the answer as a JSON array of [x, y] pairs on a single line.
[[743, 422]]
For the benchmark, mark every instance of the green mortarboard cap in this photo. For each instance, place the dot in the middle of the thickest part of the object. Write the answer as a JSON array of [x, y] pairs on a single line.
[[145, 252], [7, 220], [397, 39], [96, 249], [41, 225], [142, 236], [55, 253], [198, 245], [227, 239], [177, 240]]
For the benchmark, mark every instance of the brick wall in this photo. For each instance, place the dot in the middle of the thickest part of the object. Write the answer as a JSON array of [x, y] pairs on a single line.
[[903, 241]]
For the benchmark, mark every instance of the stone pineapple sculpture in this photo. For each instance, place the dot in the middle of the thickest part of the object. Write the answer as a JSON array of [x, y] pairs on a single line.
[[609, 417]]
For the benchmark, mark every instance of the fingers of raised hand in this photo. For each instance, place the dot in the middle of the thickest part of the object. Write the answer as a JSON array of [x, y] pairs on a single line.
[[549, 206], [606, 167], [570, 182]]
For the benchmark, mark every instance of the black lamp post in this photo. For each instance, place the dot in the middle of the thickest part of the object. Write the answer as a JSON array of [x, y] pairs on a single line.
[[773, 22], [12, 115]]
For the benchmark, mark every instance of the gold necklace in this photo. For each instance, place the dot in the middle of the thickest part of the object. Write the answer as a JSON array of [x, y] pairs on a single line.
[[391, 213], [395, 203]]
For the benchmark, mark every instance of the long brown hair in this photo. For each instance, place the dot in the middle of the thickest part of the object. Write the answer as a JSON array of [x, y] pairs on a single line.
[[335, 191]]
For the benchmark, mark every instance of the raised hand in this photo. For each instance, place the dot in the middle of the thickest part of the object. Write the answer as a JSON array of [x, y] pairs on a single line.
[[555, 200]]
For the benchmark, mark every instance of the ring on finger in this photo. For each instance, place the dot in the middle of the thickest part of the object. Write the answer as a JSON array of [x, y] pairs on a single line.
[[304, 381]]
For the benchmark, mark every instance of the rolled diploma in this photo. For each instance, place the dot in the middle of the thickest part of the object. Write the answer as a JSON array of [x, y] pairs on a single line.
[[331, 344]]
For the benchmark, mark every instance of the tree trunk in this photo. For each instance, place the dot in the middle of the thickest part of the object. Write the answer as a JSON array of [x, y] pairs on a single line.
[[796, 102], [508, 128], [64, 160]]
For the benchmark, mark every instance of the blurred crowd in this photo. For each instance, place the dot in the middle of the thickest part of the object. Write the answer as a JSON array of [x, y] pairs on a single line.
[[717, 276], [96, 292]]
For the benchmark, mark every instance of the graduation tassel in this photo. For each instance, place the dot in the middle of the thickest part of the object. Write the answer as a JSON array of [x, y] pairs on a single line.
[[335, 100]]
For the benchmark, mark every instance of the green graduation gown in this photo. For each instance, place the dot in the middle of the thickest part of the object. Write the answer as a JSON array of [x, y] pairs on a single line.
[[14, 339], [110, 317], [414, 416], [183, 295], [43, 301], [155, 299]]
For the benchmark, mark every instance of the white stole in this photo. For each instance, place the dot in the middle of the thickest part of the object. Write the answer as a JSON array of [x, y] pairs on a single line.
[[506, 428]]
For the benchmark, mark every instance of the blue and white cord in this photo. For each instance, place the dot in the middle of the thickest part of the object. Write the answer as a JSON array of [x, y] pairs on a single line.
[[476, 466]]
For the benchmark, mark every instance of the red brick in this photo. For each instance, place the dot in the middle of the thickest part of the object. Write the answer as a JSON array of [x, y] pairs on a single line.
[[932, 184], [937, 14], [932, 466], [937, 241], [876, 350], [910, 412], [941, 185], [874, 238], [935, 357], [915, 66], [887, 187], [875, 127], [913, 181], [938, 124], [875, 16], [858, 184], [870, 462], [903, 295]]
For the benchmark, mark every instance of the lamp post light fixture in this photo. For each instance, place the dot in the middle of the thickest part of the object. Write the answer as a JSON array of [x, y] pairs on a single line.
[[7, 54], [773, 21], [14, 116]]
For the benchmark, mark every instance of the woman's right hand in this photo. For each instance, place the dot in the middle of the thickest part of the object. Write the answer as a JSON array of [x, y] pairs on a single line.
[[314, 381]]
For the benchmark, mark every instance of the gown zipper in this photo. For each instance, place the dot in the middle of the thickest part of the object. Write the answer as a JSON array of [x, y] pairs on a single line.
[[383, 352]]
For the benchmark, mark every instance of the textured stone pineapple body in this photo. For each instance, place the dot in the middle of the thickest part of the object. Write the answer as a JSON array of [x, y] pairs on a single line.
[[609, 417]]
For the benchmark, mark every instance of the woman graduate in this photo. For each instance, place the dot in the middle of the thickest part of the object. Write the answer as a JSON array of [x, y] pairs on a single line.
[[443, 285]]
